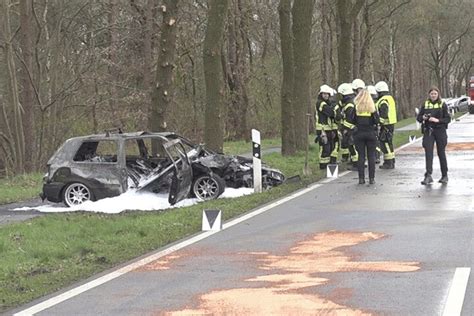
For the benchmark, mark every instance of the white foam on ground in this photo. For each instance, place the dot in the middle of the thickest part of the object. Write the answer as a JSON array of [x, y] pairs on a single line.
[[131, 200]]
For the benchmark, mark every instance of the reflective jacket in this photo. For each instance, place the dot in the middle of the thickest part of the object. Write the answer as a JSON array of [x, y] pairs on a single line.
[[325, 115], [387, 109], [437, 109]]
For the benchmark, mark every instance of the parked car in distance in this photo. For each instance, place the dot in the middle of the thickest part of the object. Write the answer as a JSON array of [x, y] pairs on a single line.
[[105, 165]]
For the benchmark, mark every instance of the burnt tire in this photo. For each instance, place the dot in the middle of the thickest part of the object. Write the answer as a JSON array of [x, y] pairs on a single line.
[[76, 193], [208, 187]]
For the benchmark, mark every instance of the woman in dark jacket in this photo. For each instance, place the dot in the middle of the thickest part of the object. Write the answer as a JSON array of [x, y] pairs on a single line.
[[365, 118], [435, 118]]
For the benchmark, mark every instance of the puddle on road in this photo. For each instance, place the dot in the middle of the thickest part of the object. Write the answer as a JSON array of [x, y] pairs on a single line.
[[281, 292]]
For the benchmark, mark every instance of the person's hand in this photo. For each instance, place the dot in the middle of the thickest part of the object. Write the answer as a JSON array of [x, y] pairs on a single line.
[[433, 119]]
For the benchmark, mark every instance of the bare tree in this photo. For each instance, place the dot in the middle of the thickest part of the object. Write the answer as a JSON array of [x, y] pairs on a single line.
[[213, 75], [163, 91]]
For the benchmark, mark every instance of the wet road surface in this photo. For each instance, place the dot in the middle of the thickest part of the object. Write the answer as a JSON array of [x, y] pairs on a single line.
[[339, 249]]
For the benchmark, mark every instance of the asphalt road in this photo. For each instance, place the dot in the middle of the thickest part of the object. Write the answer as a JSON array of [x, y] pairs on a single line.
[[337, 249]]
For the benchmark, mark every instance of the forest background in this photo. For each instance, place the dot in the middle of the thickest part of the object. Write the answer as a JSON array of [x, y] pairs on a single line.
[[212, 70]]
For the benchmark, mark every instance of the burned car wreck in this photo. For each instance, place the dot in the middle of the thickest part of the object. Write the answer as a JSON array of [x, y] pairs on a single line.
[[98, 166]]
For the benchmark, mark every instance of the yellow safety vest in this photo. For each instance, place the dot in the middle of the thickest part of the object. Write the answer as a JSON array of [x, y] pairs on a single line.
[[429, 105], [392, 109]]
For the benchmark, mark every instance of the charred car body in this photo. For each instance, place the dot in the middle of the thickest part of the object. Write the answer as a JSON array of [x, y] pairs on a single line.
[[106, 165]]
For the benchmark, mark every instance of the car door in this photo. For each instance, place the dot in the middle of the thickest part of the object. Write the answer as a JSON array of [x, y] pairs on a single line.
[[183, 174], [178, 171]]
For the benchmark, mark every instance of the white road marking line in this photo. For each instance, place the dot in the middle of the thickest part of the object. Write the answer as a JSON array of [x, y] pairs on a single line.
[[457, 291], [115, 274]]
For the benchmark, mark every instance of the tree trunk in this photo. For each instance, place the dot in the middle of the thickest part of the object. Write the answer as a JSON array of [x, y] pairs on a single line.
[[148, 61], [302, 15], [26, 77], [237, 74], [163, 90], [213, 132], [17, 122], [344, 47], [288, 146]]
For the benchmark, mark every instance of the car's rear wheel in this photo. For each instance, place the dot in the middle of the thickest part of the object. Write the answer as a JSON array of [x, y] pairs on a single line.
[[208, 187], [76, 193]]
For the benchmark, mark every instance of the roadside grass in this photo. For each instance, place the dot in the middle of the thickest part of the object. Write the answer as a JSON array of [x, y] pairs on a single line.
[[20, 187], [242, 146]]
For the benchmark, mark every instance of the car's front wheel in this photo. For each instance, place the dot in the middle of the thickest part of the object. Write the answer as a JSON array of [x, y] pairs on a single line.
[[208, 187], [76, 193]]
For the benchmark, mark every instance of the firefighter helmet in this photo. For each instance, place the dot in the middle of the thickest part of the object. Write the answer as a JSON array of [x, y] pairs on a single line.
[[381, 86], [345, 89], [325, 89], [358, 84]]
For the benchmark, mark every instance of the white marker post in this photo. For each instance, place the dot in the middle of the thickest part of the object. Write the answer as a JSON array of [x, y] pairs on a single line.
[[412, 138], [257, 161]]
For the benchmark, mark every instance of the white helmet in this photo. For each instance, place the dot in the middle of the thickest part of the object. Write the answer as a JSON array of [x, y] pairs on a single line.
[[358, 84], [372, 90], [345, 89], [381, 86], [325, 89]]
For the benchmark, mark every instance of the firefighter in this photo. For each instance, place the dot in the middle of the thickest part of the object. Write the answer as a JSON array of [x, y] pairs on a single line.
[[325, 116], [365, 118], [435, 118], [335, 126], [388, 117], [373, 93], [347, 107]]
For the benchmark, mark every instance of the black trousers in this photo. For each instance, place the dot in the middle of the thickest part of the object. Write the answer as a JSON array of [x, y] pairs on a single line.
[[440, 137], [366, 141]]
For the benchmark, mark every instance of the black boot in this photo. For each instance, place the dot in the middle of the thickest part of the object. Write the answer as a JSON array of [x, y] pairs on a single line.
[[387, 164], [427, 180], [345, 157], [361, 181], [333, 160], [323, 166], [354, 166], [371, 181], [443, 180]]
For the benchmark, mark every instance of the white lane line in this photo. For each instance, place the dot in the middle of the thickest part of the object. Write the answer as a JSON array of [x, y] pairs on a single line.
[[457, 291], [117, 273]]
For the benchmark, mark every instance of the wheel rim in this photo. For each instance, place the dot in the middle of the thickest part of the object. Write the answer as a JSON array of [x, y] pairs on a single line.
[[206, 188], [76, 194]]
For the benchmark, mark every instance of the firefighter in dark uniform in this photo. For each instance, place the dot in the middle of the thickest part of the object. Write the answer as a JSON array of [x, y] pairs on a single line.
[[373, 93], [388, 117], [365, 118], [435, 118], [335, 126], [347, 140], [325, 116]]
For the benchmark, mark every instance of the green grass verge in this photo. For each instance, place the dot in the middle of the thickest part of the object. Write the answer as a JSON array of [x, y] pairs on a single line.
[[20, 187], [240, 147]]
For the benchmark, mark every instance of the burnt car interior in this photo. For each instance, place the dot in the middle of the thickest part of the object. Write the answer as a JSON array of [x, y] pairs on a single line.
[[97, 151]]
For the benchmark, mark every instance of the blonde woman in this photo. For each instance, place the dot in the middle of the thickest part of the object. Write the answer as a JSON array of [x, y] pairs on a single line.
[[365, 118]]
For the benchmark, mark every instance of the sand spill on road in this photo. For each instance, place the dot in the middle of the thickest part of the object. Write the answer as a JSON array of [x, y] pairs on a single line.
[[462, 146], [281, 292]]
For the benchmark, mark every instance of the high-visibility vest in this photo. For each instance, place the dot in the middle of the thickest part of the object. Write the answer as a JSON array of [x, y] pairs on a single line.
[[429, 105], [392, 110]]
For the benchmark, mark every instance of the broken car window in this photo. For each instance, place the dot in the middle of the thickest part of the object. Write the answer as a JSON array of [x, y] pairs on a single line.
[[97, 151]]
